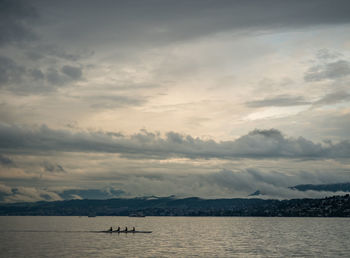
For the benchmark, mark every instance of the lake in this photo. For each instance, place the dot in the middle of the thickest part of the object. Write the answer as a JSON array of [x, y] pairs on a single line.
[[175, 237]]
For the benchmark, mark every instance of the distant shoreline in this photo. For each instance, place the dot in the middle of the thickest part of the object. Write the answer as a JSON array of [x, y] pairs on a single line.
[[336, 206]]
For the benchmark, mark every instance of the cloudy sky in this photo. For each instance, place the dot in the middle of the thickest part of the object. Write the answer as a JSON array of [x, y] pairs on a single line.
[[187, 98]]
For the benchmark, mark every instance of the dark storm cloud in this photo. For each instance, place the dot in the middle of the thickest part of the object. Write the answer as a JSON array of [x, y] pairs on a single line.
[[333, 70], [278, 101], [257, 144], [15, 19]]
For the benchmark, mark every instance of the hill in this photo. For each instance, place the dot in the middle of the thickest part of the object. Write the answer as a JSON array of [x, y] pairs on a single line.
[[338, 206]]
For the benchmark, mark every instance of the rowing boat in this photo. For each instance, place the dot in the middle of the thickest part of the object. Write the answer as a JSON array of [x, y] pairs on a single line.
[[123, 231]]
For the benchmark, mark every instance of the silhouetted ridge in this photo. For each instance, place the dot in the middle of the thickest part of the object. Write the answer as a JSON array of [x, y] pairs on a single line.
[[337, 206]]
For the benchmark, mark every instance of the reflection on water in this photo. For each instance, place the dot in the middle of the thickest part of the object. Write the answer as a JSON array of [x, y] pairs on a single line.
[[175, 236]]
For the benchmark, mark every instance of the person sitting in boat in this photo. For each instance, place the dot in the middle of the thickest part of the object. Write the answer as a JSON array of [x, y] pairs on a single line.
[[133, 229], [126, 229], [118, 229], [110, 229]]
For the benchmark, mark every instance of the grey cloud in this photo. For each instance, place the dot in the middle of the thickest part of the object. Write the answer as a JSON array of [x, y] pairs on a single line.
[[128, 86], [333, 70], [57, 52], [37, 74], [34, 55], [15, 20], [333, 98], [26, 194], [10, 72], [331, 124], [327, 54], [222, 183], [56, 78], [278, 101], [114, 134], [25, 81], [228, 183], [73, 72], [4, 189], [91, 193], [53, 168], [111, 102], [21, 80], [40, 51], [156, 21], [286, 100], [67, 74], [32, 194], [270, 183], [257, 144], [5, 160]]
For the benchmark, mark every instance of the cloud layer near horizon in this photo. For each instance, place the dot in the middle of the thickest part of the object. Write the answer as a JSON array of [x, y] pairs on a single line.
[[221, 184], [255, 145]]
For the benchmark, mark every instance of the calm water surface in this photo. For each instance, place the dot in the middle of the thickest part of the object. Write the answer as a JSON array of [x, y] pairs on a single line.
[[175, 237]]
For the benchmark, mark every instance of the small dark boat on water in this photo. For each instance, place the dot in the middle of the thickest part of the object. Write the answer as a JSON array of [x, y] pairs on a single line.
[[123, 231]]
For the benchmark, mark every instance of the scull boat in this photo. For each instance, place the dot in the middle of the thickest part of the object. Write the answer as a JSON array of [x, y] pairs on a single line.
[[123, 231]]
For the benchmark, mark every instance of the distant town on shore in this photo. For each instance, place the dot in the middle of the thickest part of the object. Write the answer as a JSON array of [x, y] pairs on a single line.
[[336, 206]]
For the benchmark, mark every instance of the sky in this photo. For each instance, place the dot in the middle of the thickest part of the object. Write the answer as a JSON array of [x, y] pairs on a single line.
[[215, 99]]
